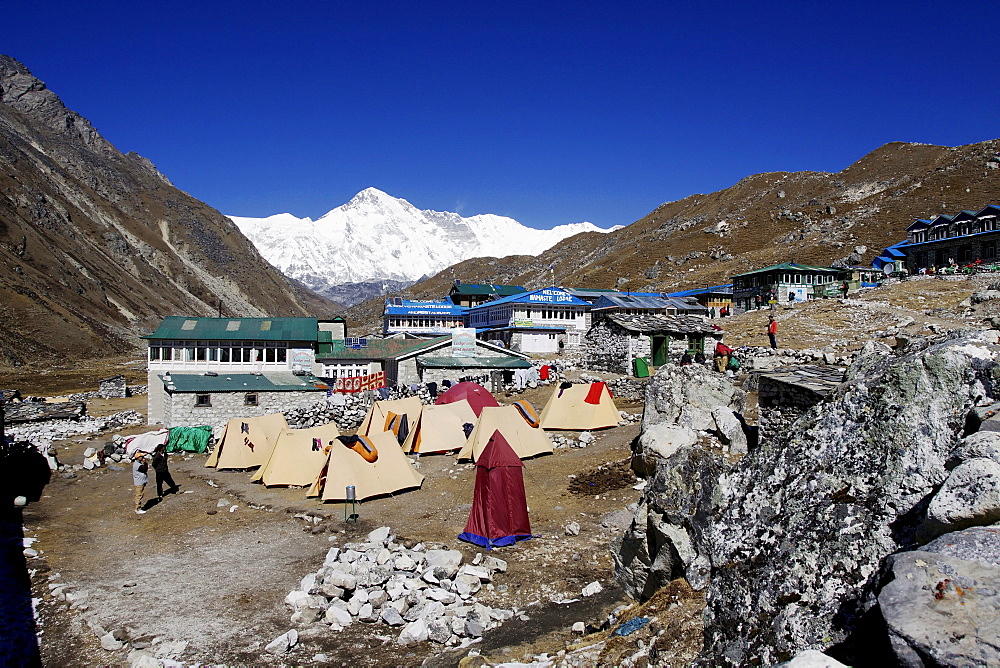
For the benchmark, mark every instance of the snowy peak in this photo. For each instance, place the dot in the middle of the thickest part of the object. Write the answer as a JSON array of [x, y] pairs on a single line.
[[377, 237]]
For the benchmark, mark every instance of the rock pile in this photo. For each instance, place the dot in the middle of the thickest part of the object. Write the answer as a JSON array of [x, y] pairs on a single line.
[[41, 434], [757, 358], [429, 594]]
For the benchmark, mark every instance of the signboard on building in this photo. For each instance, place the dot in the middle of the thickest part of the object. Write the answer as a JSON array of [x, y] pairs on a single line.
[[372, 381], [553, 296], [463, 342], [301, 358], [523, 323]]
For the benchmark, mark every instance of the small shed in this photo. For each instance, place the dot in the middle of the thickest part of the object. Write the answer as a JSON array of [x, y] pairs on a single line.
[[191, 399]]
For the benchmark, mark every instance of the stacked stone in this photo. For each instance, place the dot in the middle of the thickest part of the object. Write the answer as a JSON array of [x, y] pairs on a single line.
[[426, 593], [760, 358], [41, 434], [347, 410]]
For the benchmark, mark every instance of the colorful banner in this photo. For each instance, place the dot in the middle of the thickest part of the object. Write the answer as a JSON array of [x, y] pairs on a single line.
[[372, 381]]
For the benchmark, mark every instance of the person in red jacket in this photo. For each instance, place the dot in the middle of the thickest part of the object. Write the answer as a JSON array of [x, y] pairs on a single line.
[[772, 331]]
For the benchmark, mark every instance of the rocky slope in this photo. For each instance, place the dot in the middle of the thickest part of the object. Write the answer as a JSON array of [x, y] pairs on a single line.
[[702, 240], [96, 246]]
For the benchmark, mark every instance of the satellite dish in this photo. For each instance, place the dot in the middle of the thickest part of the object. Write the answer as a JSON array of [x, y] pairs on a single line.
[[887, 269]]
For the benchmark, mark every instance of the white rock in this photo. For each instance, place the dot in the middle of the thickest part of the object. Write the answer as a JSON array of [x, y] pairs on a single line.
[[412, 633], [337, 617], [579, 627], [379, 536], [593, 588], [283, 643], [109, 643], [476, 571], [572, 529], [295, 597]]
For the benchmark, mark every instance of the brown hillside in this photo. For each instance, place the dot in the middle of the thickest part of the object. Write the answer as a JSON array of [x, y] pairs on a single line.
[[97, 246], [702, 240]]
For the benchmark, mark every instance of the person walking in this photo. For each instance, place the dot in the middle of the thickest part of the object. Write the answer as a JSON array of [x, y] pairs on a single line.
[[139, 478], [772, 331], [162, 472]]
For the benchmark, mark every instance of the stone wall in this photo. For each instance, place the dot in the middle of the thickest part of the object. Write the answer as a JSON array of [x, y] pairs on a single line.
[[113, 388], [179, 408]]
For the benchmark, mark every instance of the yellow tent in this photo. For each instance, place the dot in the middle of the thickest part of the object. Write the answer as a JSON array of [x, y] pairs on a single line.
[[390, 473], [568, 409], [440, 428], [527, 441], [247, 442], [377, 419], [298, 456]]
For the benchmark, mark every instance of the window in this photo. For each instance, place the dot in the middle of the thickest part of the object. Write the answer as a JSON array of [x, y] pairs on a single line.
[[250, 399], [154, 354], [203, 400], [989, 250]]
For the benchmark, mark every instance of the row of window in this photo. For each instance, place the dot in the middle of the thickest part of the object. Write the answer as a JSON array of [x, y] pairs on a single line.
[[788, 279], [426, 323], [950, 231], [189, 353]]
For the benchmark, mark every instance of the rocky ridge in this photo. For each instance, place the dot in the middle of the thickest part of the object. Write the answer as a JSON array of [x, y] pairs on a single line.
[[97, 245]]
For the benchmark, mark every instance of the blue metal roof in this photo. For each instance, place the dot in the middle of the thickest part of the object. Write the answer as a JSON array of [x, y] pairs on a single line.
[[727, 288]]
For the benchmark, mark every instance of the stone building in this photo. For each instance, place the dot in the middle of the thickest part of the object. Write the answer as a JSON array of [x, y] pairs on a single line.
[[615, 340], [198, 399], [265, 346], [965, 238]]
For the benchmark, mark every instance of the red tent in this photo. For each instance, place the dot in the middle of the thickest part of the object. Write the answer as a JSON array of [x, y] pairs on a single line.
[[477, 396], [499, 514]]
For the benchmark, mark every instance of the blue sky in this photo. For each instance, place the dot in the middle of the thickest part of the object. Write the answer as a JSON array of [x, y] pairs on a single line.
[[548, 112]]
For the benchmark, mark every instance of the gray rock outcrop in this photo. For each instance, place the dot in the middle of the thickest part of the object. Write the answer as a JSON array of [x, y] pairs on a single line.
[[805, 523], [667, 538]]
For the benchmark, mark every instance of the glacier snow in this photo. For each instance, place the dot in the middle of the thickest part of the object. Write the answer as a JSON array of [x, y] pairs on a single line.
[[377, 237]]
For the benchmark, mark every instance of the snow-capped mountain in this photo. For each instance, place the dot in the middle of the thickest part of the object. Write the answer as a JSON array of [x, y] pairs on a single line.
[[379, 239]]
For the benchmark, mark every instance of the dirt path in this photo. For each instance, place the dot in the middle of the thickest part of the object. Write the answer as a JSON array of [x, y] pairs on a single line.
[[203, 584]]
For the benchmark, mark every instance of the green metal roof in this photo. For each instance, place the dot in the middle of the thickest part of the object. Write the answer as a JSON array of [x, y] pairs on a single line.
[[788, 266], [483, 289], [178, 327], [242, 382], [473, 363]]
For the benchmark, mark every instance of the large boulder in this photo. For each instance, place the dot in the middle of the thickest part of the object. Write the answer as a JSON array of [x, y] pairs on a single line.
[[942, 605], [687, 395], [969, 497], [805, 522], [667, 537], [680, 402]]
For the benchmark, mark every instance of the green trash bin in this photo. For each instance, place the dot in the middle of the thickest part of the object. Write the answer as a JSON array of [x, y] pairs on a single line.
[[640, 368]]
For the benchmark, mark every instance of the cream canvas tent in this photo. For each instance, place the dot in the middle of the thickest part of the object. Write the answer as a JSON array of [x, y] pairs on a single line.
[[527, 441], [247, 442], [579, 408], [440, 428], [377, 418], [390, 473], [298, 456]]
